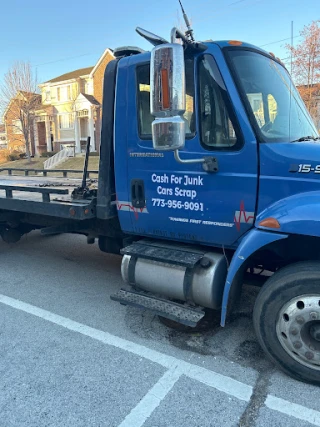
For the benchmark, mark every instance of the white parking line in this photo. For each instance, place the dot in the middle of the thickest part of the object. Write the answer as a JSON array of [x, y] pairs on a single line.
[[152, 399], [178, 367], [301, 412], [220, 382]]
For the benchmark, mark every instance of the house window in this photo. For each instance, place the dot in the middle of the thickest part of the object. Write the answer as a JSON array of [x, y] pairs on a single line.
[[48, 95], [17, 127], [87, 88], [65, 121], [256, 102], [64, 93]]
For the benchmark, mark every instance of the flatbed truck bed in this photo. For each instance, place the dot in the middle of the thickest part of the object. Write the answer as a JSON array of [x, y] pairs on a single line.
[[45, 195]]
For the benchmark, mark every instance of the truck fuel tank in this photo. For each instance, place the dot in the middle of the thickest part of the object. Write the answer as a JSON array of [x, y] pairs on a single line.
[[201, 284]]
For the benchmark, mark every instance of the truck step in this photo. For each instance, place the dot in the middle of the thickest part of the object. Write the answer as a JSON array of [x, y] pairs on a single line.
[[179, 313], [160, 252]]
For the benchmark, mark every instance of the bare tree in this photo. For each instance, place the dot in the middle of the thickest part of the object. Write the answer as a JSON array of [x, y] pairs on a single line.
[[306, 64], [19, 97]]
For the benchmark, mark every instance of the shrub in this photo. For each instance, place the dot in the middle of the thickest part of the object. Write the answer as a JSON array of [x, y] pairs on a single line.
[[48, 153], [14, 155]]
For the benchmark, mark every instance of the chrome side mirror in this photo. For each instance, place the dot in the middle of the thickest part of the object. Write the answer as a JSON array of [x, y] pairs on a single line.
[[168, 97], [168, 134], [168, 101]]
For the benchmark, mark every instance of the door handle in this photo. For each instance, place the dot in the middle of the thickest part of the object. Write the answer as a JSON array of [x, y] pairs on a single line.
[[138, 198]]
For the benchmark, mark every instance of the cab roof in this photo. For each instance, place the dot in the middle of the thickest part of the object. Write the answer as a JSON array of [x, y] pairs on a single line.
[[235, 44]]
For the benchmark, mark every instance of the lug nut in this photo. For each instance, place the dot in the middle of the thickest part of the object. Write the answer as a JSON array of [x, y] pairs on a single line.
[[313, 315], [309, 355], [294, 331], [297, 345], [300, 320]]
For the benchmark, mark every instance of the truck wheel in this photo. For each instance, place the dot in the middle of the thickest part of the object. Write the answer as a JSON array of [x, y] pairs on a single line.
[[286, 319]]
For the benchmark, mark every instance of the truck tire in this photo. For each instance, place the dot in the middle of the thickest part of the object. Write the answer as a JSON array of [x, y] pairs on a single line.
[[286, 319]]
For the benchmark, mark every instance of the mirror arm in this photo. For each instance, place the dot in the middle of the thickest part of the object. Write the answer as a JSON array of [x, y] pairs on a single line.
[[209, 164], [175, 32], [186, 161], [190, 47]]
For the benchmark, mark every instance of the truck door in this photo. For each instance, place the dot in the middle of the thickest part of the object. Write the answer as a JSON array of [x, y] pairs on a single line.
[[169, 200]]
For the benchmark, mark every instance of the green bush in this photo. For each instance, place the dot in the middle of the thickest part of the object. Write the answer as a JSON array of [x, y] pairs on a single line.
[[14, 155], [48, 153], [22, 156]]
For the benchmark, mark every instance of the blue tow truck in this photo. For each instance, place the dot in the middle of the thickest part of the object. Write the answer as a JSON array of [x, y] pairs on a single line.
[[209, 174]]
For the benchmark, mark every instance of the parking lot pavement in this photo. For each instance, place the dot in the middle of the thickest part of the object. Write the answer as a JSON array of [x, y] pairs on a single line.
[[52, 376], [72, 357]]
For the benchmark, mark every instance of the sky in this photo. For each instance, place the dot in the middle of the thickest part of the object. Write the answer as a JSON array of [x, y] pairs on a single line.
[[63, 35]]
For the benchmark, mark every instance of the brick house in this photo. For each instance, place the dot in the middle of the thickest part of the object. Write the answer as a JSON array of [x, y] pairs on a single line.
[[3, 137], [23, 101], [71, 109], [316, 115], [314, 105]]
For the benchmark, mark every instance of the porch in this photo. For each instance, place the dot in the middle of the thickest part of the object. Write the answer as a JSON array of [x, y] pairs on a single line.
[[44, 131]]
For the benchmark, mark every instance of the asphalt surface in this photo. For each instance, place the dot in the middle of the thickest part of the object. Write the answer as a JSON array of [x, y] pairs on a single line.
[[70, 356]]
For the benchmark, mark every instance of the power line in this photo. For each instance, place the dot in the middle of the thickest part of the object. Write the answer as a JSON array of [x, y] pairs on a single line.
[[289, 57], [207, 1], [227, 5], [87, 54], [236, 2], [230, 4], [278, 41], [224, 12], [65, 59], [95, 53]]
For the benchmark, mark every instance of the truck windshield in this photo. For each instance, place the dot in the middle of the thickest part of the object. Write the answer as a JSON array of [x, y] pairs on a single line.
[[278, 112]]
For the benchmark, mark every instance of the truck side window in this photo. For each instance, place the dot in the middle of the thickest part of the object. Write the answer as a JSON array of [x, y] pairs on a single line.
[[145, 119], [217, 127]]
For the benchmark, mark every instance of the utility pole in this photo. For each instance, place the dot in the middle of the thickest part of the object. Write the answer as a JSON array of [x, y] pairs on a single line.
[[291, 47]]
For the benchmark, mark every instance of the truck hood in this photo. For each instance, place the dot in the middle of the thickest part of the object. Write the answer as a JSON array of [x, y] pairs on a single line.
[[287, 169]]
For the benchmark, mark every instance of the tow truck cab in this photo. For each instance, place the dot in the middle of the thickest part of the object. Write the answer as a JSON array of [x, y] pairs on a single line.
[[243, 111], [215, 174]]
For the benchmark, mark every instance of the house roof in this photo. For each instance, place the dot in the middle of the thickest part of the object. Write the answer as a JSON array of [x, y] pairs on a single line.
[[106, 52], [72, 75], [91, 99], [27, 95]]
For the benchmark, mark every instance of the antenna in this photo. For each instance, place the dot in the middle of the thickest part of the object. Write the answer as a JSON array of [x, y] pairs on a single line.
[[189, 33]]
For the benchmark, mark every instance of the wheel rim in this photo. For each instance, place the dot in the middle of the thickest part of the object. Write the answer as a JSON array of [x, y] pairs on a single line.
[[298, 329]]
